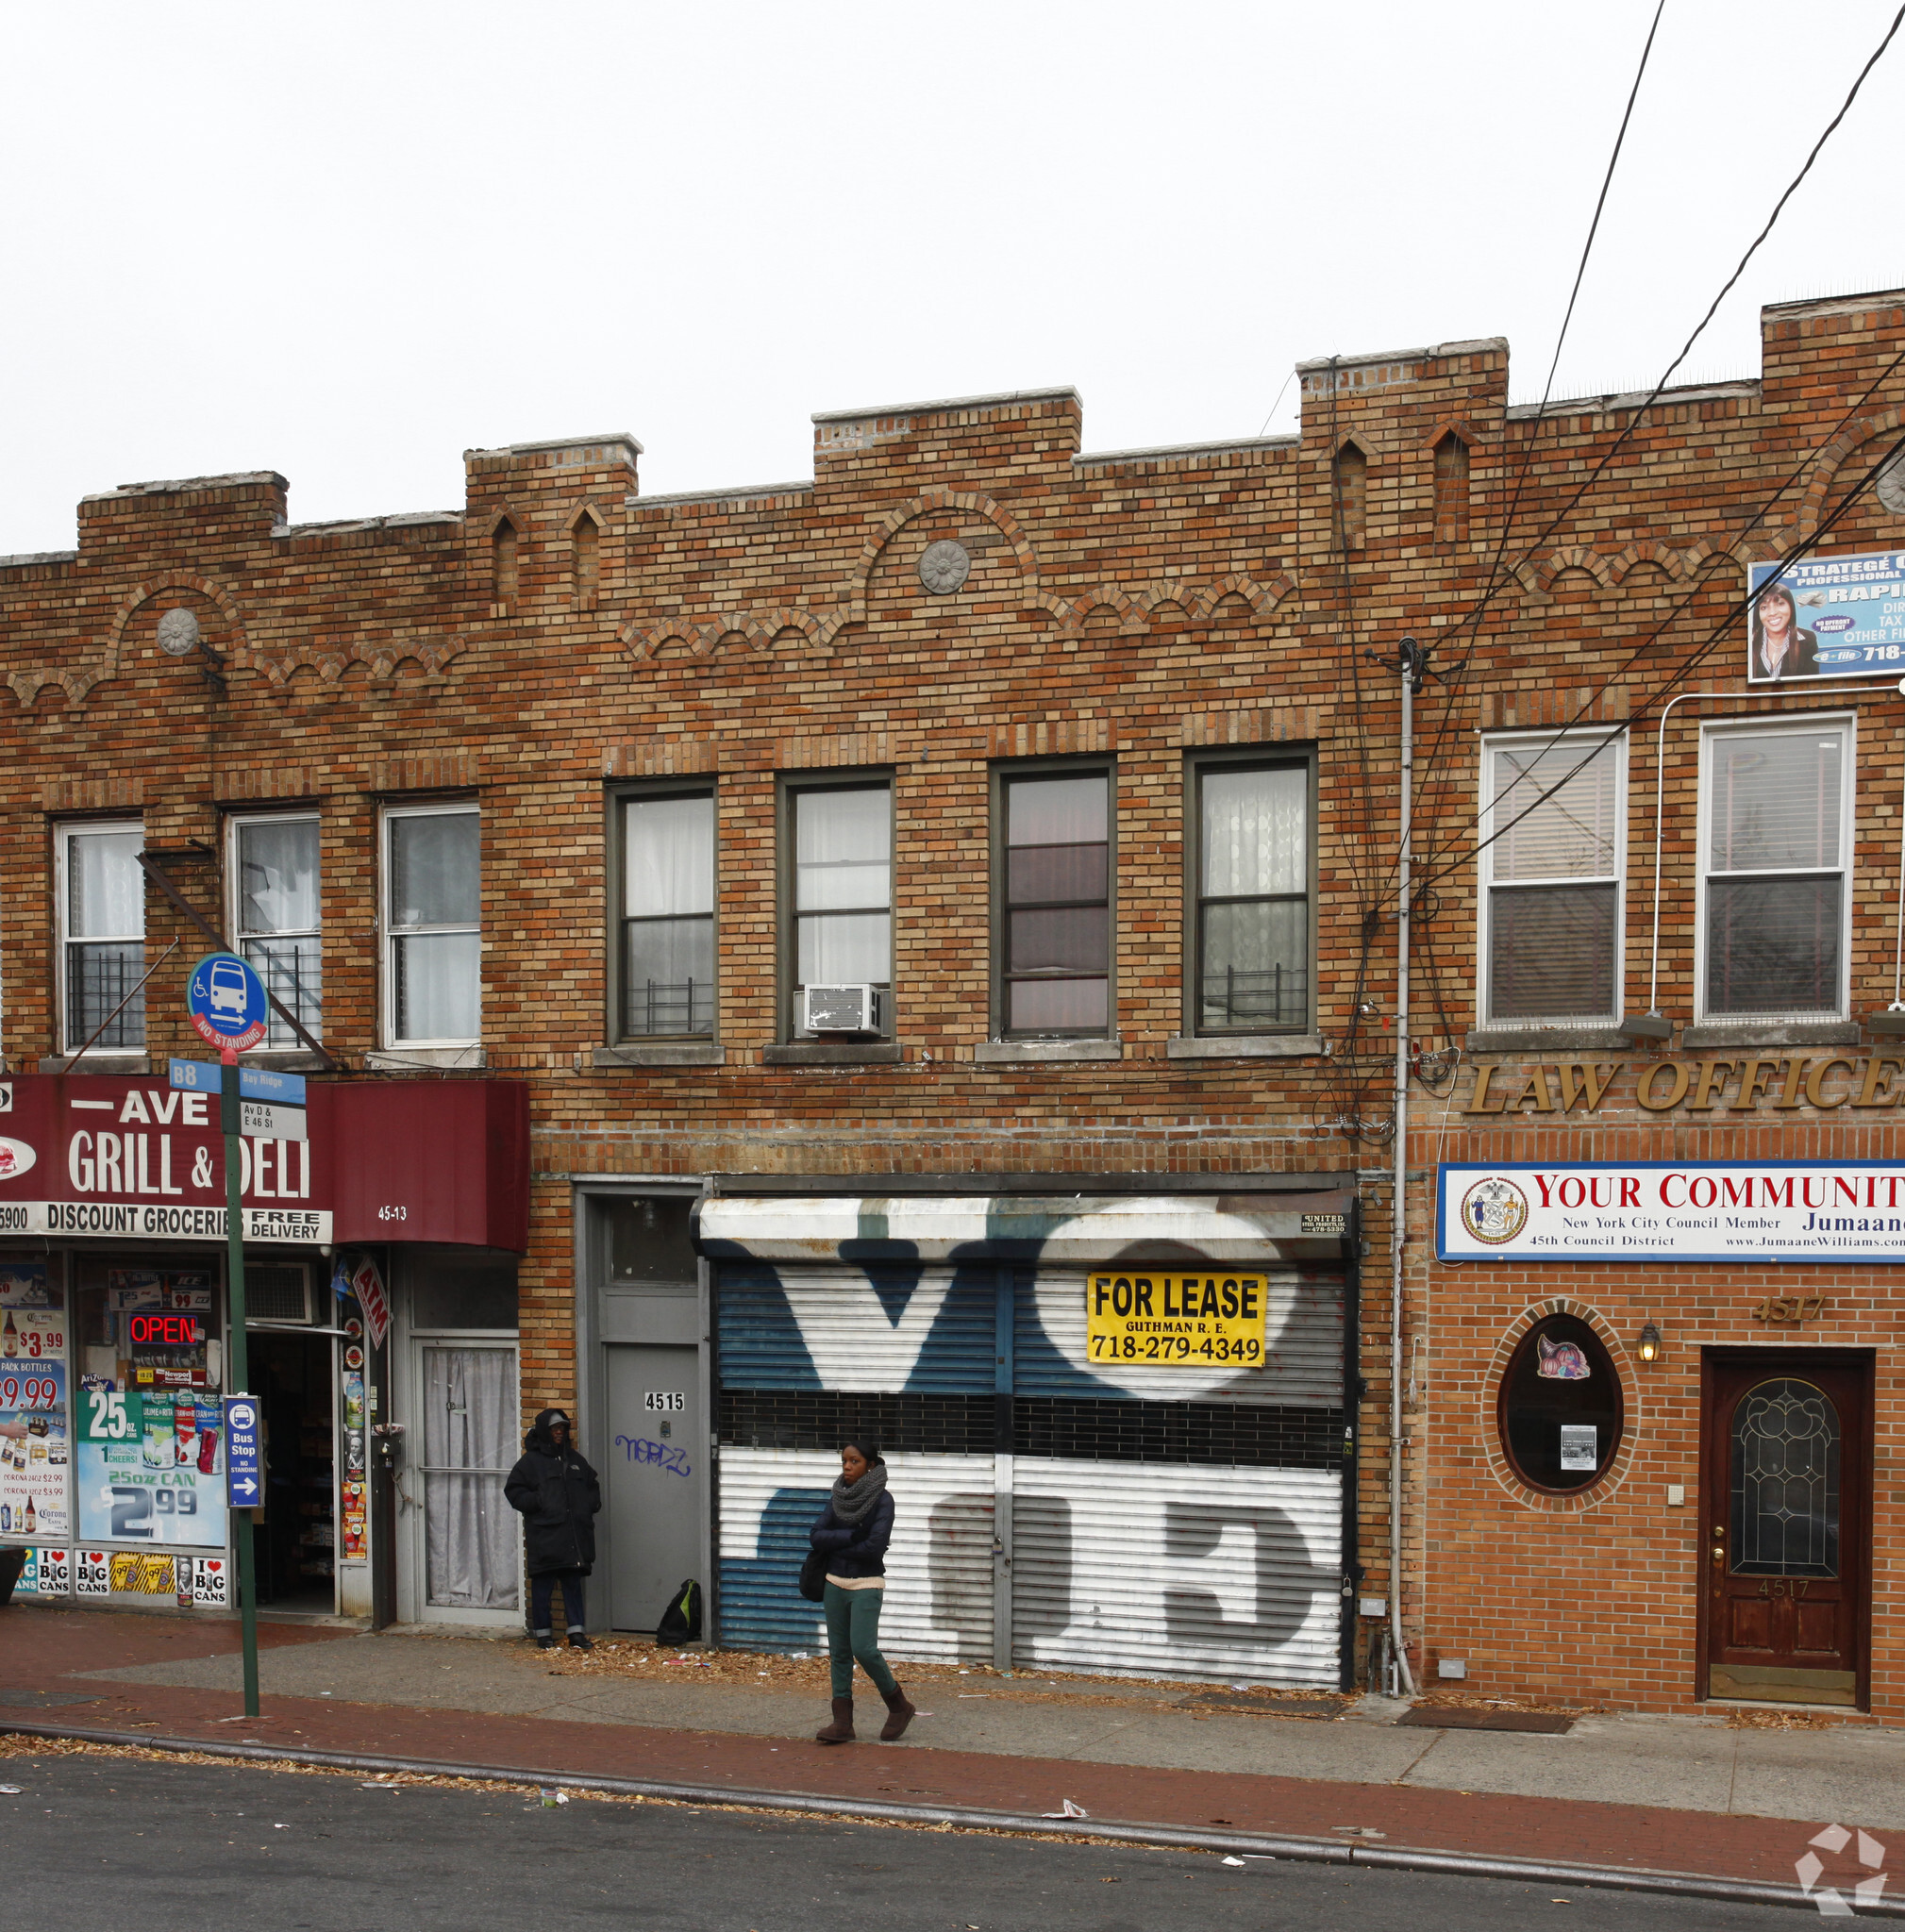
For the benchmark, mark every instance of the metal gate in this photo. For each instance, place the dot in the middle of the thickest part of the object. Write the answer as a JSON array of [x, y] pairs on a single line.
[[1051, 1510]]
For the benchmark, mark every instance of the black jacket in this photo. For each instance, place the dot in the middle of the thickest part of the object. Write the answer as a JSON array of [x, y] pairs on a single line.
[[856, 1549], [558, 1495]]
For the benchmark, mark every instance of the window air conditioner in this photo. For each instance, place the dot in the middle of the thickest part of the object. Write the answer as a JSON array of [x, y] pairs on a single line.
[[843, 1010]]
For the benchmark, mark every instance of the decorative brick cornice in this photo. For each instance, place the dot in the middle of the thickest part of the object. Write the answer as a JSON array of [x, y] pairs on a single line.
[[1825, 466], [445, 772], [92, 795]]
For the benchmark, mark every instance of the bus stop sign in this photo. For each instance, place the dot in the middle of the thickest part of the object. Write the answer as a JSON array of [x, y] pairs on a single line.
[[226, 1000]]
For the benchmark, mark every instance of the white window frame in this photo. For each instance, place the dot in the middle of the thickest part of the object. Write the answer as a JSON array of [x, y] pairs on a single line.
[[388, 933], [64, 832], [234, 897], [1582, 737], [1847, 725]]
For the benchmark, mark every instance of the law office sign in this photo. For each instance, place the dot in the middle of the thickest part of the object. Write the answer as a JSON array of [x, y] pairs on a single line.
[[1644, 1211]]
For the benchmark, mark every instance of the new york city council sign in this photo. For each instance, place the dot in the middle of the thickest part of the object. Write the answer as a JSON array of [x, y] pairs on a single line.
[[1764, 1210]]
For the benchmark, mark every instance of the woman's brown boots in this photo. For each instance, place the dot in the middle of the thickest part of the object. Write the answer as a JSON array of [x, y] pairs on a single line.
[[899, 1713], [841, 1730]]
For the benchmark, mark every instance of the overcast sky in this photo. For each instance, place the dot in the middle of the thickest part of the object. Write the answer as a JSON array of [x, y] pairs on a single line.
[[349, 242]]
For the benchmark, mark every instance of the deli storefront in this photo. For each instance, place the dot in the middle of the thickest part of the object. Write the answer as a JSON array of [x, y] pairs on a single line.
[[380, 1262]]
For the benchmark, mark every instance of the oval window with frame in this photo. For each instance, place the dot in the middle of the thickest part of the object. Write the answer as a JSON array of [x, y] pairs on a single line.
[[1559, 1412]]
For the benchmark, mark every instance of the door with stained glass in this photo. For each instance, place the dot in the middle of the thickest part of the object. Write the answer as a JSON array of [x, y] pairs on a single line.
[[1785, 1551]]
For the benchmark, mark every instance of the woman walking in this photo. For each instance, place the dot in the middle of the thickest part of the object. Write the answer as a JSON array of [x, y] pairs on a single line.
[[853, 1532]]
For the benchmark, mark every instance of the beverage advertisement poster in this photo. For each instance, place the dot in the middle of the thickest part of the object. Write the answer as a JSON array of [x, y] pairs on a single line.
[[151, 1467], [33, 1440]]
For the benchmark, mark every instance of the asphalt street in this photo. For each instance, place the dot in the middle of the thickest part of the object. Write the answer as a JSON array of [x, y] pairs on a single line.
[[179, 1847]]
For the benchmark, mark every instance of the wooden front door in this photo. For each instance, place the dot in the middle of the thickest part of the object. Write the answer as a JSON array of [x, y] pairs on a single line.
[[1786, 1554]]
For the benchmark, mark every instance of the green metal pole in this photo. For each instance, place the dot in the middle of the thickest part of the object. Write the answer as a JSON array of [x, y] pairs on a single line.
[[238, 1379]]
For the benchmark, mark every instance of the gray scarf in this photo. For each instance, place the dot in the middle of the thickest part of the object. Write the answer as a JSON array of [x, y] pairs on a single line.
[[851, 1501]]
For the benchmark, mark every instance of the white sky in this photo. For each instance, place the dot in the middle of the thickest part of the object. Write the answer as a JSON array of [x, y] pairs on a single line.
[[348, 241]]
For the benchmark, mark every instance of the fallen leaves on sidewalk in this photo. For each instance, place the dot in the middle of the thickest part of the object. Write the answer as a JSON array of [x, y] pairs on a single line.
[[1781, 1720]]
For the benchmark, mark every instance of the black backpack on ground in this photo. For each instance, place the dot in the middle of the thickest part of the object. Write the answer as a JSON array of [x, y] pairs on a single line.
[[681, 1620]]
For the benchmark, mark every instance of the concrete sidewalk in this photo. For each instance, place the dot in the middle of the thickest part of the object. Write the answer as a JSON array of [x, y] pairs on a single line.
[[1682, 1794]]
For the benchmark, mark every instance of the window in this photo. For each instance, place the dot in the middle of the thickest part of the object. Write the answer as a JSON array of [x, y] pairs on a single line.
[[102, 938], [584, 541], [667, 965], [1561, 1411], [1252, 935], [433, 907], [843, 890], [275, 884], [1552, 868], [1775, 800], [1055, 926]]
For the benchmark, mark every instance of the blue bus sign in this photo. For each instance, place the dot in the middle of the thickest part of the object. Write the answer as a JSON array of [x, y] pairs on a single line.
[[244, 1484], [254, 1083], [226, 1001]]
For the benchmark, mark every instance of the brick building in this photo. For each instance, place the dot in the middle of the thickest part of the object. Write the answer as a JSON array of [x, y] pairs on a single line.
[[915, 941]]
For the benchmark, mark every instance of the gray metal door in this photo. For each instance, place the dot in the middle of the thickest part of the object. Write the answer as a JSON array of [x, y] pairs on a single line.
[[656, 1478]]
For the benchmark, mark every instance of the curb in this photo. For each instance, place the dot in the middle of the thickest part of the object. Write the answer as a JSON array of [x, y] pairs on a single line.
[[1320, 1850]]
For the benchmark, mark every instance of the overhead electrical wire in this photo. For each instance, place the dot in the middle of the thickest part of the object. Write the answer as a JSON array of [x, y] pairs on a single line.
[[1473, 623]]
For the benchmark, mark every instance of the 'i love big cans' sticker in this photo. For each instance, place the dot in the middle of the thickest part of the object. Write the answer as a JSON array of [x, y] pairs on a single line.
[[210, 1583], [55, 1573], [94, 1577]]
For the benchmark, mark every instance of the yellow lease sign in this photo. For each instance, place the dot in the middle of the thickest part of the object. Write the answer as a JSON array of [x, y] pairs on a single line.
[[1159, 1320]]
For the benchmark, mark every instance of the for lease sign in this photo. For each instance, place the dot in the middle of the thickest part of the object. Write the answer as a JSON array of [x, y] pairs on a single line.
[[1766, 1210]]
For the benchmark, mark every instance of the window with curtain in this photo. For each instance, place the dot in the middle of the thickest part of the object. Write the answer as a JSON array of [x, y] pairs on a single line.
[[433, 909], [1056, 918], [668, 916], [274, 871], [842, 888], [1252, 936], [1552, 873], [102, 949], [1774, 876]]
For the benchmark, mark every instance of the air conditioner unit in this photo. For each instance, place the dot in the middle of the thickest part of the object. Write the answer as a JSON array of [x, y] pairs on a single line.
[[278, 1292], [843, 1010]]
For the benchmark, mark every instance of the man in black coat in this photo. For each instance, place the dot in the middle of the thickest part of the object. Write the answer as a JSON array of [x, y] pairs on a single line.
[[558, 1496]]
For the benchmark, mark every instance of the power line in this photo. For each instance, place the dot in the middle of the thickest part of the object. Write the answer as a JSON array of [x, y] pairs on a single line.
[[1473, 623]]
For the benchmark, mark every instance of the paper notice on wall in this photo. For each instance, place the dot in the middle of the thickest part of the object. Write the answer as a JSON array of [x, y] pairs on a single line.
[[368, 1285], [1579, 1447]]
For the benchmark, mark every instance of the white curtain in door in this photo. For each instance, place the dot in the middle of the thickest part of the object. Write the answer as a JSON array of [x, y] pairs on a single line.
[[469, 1443]]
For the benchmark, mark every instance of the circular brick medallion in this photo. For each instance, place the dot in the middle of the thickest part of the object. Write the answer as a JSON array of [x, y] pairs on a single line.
[[179, 633], [944, 567]]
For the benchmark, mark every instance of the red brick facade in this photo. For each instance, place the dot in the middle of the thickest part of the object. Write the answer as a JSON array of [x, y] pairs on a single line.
[[560, 635]]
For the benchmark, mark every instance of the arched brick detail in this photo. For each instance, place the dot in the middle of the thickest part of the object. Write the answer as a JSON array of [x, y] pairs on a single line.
[[1549, 568], [1454, 426], [588, 507], [759, 628], [141, 594], [1826, 464], [1673, 562], [1498, 1467], [517, 518], [1262, 598], [967, 502], [330, 658]]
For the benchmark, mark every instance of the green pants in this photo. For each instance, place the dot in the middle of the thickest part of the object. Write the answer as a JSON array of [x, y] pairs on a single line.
[[853, 1632]]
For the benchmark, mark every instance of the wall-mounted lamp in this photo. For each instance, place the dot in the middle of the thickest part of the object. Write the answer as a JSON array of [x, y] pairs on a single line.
[[1649, 1344], [1892, 1021], [1650, 1025]]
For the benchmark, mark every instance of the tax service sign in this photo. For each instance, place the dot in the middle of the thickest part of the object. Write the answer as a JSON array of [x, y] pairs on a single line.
[[1668, 1210]]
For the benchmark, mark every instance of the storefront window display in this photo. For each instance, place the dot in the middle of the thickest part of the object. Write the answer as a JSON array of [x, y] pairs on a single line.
[[1561, 1411], [34, 1423], [150, 1461]]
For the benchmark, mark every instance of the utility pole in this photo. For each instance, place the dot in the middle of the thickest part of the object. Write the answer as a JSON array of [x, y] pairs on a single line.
[[1413, 662], [239, 1374]]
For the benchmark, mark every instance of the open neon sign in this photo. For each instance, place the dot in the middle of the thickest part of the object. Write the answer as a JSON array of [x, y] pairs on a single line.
[[163, 1331]]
